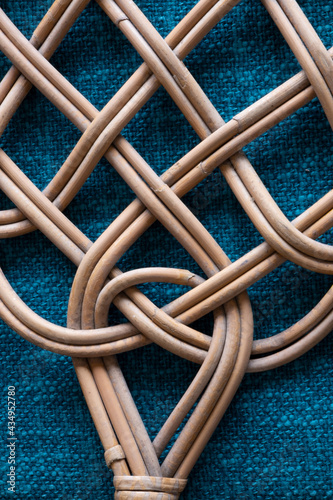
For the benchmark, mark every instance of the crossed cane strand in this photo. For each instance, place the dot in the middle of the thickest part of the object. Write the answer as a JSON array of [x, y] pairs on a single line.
[[199, 403], [136, 82], [316, 248], [325, 251]]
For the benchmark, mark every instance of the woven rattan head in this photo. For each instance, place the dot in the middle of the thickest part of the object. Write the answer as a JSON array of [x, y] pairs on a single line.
[[229, 351]]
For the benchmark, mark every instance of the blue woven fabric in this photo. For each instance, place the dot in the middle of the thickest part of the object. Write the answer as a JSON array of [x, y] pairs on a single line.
[[276, 440]]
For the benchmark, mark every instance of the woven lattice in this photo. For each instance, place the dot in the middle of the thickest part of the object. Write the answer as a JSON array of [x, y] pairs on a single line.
[[225, 355]]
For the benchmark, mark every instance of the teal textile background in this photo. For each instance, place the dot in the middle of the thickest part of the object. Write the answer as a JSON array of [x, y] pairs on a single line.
[[276, 440]]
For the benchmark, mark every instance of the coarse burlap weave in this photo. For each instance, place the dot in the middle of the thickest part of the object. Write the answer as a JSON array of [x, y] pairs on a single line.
[[276, 440]]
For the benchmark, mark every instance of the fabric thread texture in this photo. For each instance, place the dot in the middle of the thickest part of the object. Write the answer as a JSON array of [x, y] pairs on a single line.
[[276, 440]]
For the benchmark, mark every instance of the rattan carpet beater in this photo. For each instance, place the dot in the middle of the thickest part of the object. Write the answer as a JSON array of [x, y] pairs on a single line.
[[225, 356]]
